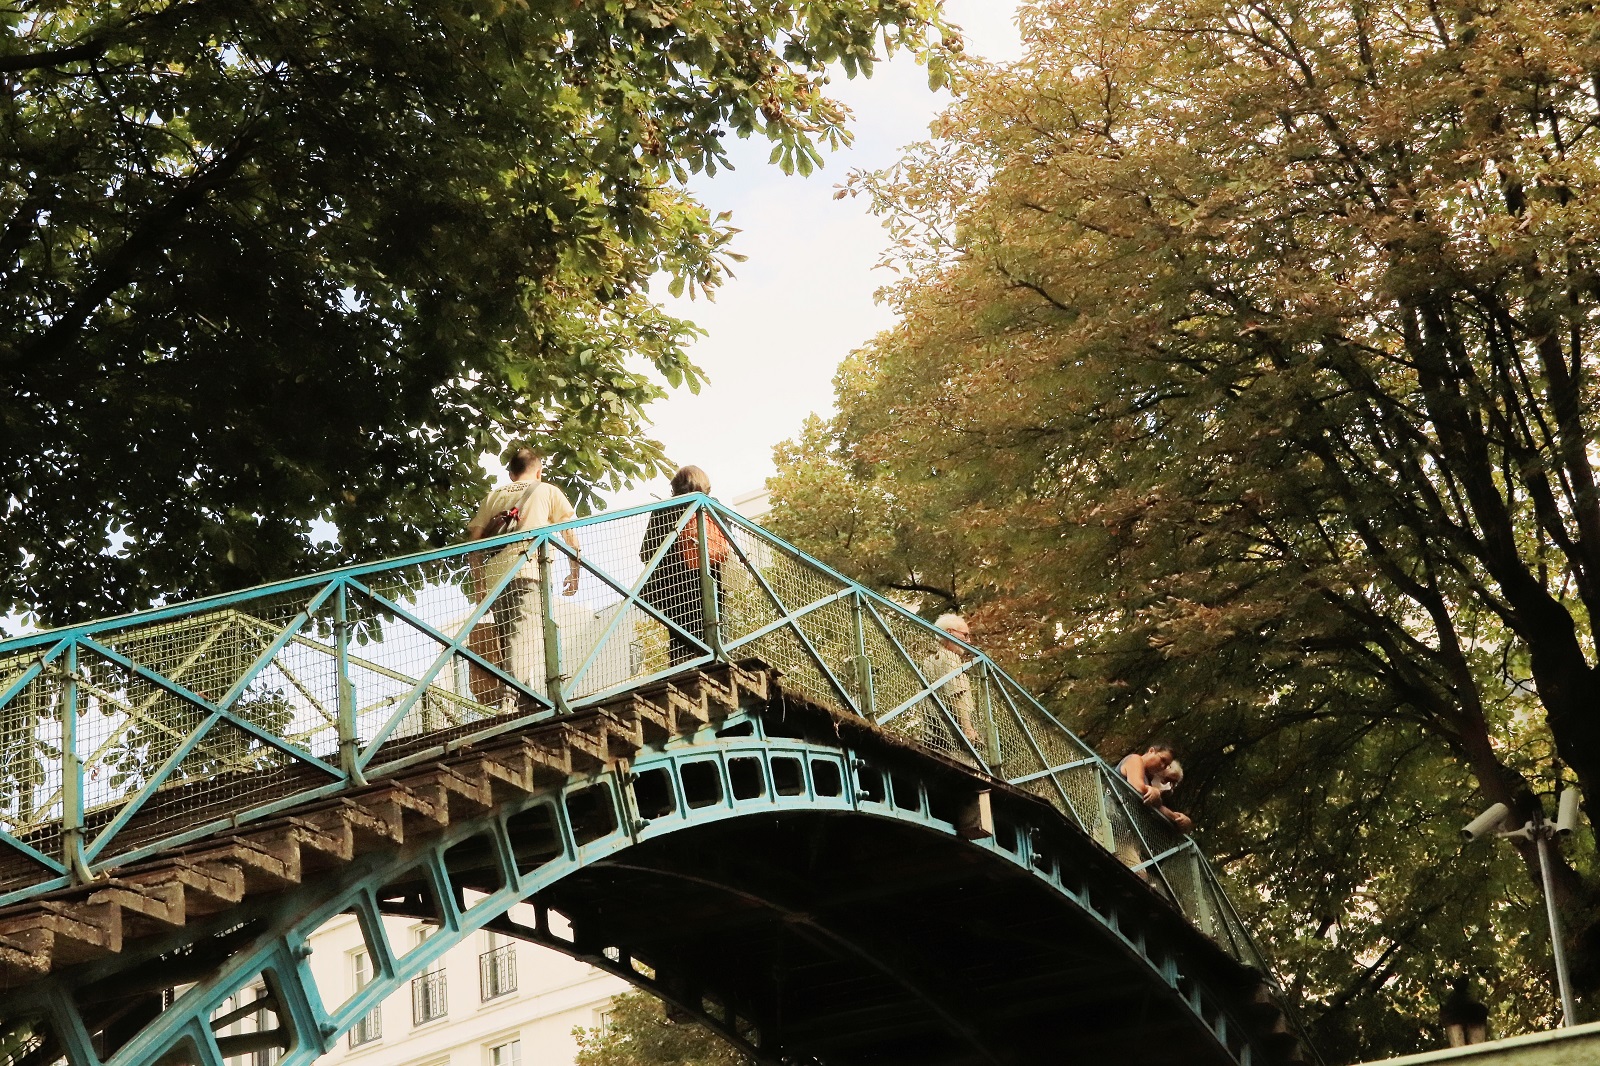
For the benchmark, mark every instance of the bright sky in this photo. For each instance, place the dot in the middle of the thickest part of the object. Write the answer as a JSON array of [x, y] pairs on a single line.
[[803, 300]]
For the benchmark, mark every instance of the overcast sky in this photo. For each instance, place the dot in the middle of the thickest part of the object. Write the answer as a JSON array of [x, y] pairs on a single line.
[[803, 299]]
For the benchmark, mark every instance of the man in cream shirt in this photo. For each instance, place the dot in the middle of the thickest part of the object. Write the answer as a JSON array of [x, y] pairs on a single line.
[[517, 645]]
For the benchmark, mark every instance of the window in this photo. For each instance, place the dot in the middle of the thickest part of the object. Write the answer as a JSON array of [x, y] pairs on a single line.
[[506, 1054], [370, 1027], [428, 998], [497, 968], [262, 1020]]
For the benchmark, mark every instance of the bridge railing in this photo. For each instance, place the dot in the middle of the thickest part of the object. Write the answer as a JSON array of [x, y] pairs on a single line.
[[125, 736]]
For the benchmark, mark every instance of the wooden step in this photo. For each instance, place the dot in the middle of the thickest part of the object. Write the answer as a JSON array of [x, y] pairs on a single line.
[[687, 709], [68, 932], [265, 869], [210, 876], [655, 722], [146, 908], [369, 825], [462, 788]]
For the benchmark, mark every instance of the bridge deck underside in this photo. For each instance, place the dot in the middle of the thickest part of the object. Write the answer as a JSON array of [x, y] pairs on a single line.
[[860, 941]]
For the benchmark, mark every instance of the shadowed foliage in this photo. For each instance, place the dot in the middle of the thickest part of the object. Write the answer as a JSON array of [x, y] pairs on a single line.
[[264, 265]]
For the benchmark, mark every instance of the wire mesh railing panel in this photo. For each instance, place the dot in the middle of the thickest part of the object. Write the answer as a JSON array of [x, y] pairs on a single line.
[[1045, 789], [894, 679], [229, 770], [1056, 746], [1158, 834], [939, 719], [1085, 787], [1183, 874], [207, 653], [1124, 837], [405, 679], [128, 728], [635, 645], [766, 563], [394, 656], [783, 649], [31, 765], [1017, 756], [830, 630], [949, 722], [746, 606], [925, 649]]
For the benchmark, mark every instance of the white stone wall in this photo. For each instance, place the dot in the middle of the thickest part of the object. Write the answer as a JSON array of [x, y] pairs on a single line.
[[529, 1026]]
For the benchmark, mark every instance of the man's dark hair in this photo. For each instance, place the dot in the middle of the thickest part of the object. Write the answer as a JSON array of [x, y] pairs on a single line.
[[521, 459], [1160, 745], [690, 479]]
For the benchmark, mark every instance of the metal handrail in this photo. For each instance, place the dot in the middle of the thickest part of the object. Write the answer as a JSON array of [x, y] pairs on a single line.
[[118, 736]]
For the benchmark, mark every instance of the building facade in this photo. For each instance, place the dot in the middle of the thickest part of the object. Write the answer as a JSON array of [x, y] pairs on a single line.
[[489, 1001]]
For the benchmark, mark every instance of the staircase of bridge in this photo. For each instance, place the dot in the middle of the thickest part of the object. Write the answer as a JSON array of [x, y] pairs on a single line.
[[773, 797]]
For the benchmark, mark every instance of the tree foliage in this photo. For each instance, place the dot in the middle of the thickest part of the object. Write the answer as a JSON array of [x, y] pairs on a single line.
[[639, 1032], [269, 263], [1244, 392]]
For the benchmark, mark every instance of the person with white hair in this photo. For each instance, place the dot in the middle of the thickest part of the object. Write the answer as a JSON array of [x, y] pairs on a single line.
[[956, 693]]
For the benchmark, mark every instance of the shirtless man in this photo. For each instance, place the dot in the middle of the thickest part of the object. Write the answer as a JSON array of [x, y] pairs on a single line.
[[1147, 772]]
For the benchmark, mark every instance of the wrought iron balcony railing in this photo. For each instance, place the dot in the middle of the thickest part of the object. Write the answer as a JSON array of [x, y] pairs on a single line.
[[368, 1029], [429, 997], [497, 972]]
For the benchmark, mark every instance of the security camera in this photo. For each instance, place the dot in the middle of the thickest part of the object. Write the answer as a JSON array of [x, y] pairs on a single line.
[[1567, 812], [1487, 822]]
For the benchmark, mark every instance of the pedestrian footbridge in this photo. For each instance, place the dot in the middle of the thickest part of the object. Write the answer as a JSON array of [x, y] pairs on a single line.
[[817, 831]]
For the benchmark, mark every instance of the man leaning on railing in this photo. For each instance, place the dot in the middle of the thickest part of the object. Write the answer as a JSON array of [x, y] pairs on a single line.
[[512, 641]]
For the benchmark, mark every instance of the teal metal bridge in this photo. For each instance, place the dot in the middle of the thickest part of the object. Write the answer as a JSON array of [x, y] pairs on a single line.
[[750, 785]]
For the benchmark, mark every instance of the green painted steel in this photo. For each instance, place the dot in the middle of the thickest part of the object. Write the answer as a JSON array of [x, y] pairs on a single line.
[[296, 1017], [127, 736]]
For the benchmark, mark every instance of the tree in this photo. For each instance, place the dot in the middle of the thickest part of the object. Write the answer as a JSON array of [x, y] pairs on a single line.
[[1246, 359], [264, 265], [640, 1032]]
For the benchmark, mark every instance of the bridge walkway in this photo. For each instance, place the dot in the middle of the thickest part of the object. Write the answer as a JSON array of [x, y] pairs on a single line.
[[790, 836]]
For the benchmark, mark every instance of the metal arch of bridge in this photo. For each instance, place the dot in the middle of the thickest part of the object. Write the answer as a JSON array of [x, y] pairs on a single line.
[[476, 874], [123, 739]]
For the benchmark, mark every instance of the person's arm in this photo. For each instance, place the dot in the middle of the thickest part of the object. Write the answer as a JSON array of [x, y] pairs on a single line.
[[561, 510], [571, 587], [1177, 818]]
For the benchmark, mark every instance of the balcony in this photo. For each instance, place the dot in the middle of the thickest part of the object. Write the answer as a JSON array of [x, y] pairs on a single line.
[[497, 972], [368, 1029], [428, 999]]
